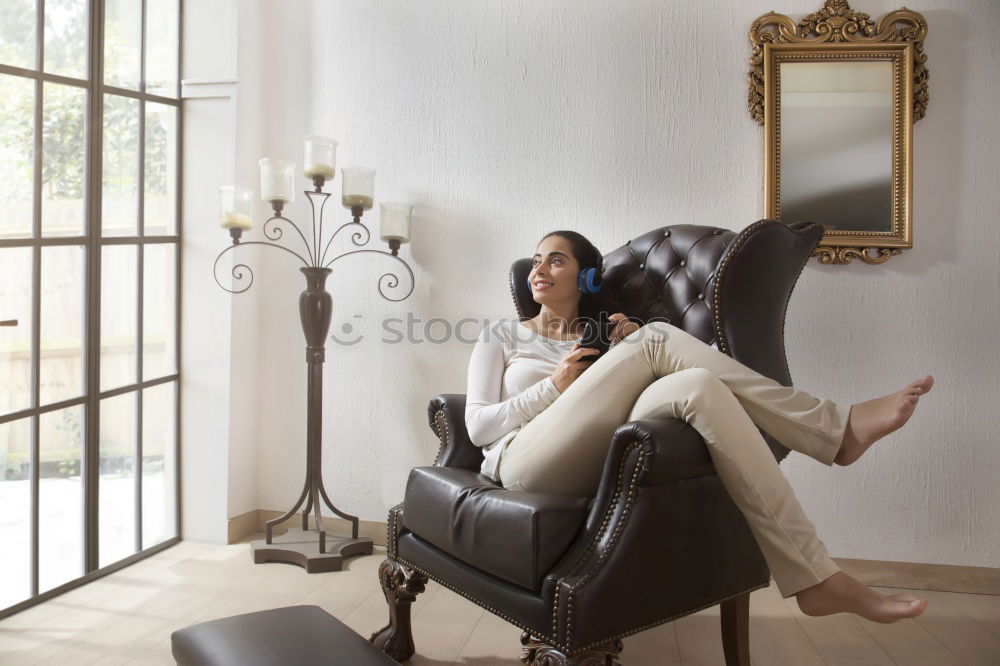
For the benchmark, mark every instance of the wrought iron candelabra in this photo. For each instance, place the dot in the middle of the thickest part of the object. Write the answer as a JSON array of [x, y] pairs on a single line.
[[315, 309]]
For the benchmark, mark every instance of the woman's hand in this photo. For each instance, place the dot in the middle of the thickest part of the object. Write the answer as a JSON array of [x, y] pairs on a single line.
[[571, 367], [623, 328]]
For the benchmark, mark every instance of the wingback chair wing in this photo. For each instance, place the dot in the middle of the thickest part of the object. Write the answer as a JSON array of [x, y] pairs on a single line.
[[662, 538]]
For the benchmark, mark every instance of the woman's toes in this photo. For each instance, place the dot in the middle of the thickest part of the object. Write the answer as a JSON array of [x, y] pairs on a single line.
[[893, 609], [907, 609], [873, 419], [914, 608]]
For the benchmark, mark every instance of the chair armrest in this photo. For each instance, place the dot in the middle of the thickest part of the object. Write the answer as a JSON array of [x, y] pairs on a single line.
[[674, 451], [446, 416], [645, 453]]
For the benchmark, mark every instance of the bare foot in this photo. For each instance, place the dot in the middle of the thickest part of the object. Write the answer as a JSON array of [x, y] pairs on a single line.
[[841, 593], [873, 419]]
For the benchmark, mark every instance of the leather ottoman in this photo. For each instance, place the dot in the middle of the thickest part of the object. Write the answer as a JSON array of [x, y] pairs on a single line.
[[279, 637]]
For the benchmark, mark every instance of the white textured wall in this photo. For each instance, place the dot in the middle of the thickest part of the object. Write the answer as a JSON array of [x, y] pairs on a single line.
[[501, 121], [207, 375]]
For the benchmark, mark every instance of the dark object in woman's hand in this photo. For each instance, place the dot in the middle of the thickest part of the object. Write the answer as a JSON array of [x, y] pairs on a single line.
[[597, 335]]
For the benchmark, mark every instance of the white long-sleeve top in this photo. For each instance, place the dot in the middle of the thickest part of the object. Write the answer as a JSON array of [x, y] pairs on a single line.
[[509, 383]]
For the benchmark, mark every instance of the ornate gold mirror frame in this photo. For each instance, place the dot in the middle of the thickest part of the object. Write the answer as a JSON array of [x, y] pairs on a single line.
[[837, 57]]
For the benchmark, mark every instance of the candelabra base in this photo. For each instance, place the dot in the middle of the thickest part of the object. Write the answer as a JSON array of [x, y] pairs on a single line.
[[301, 547]]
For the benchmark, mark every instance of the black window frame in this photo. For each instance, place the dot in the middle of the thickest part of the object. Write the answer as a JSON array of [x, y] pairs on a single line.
[[93, 242]]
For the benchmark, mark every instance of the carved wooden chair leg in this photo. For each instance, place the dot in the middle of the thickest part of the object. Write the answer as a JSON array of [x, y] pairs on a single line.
[[401, 586], [736, 630], [536, 653]]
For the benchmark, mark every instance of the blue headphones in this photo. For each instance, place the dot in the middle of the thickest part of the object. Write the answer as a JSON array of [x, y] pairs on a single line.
[[588, 281]]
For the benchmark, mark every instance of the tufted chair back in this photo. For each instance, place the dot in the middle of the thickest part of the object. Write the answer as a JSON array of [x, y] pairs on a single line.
[[663, 275]]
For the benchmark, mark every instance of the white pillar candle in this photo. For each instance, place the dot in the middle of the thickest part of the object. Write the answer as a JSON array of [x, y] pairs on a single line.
[[236, 221], [394, 224], [235, 207], [277, 180], [320, 157], [358, 187]]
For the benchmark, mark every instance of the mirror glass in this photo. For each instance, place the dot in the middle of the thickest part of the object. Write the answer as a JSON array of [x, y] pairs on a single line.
[[836, 143]]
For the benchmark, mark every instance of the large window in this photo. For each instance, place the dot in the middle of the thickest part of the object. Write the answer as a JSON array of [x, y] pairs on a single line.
[[89, 275]]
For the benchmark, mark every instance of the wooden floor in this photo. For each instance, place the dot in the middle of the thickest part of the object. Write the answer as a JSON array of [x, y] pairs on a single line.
[[127, 617]]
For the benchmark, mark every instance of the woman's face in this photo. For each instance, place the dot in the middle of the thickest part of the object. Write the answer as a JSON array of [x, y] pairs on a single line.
[[554, 271]]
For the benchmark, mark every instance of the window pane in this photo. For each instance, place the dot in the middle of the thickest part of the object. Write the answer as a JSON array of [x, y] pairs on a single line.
[[162, 19], [61, 372], [15, 341], [122, 42], [17, 153], [159, 311], [60, 498], [15, 525], [17, 33], [63, 159], [159, 464], [119, 315], [66, 37], [160, 202], [116, 489], [120, 199]]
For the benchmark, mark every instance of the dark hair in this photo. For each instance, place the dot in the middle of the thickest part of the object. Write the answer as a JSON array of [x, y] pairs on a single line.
[[587, 255]]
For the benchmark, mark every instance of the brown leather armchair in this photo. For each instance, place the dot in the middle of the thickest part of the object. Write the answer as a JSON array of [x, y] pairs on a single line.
[[662, 538]]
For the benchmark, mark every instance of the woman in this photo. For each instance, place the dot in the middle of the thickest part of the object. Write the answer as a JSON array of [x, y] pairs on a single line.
[[545, 424]]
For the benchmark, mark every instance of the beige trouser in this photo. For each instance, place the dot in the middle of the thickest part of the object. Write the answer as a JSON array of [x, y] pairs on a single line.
[[663, 371]]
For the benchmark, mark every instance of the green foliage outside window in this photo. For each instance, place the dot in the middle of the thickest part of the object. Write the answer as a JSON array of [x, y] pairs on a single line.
[[64, 115]]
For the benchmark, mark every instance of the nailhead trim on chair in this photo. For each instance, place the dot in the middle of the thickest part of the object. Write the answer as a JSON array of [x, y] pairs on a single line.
[[439, 417], [720, 275], [622, 522], [390, 528], [672, 617], [607, 515], [612, 505], [513, 297], [516, 623]]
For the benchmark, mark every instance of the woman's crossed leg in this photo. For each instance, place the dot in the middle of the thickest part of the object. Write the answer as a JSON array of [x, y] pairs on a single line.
[[562, 450]]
